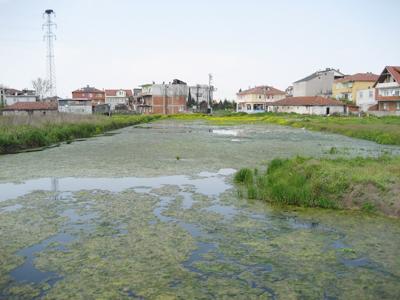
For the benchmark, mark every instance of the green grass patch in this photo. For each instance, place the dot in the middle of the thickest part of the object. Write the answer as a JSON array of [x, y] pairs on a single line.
[[21, 133], [368, 184]]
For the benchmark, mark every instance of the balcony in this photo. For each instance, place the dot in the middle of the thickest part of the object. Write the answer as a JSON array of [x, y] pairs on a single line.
[[387, 85]]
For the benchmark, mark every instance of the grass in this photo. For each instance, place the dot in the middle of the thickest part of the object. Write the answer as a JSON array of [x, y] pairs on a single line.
[[383, 130], [368, 184], [19, 133]]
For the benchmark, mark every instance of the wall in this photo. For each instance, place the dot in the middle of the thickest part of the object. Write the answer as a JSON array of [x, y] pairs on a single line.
[[390, 105], [365, 99], [27, 113], [319, 85], [308, 110], [76, 109], [338, 90], [113, 101], [9, 100], [384, 113]]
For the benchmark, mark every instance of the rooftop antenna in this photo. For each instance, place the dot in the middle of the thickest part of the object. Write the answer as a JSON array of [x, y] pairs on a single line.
[[49, 37]]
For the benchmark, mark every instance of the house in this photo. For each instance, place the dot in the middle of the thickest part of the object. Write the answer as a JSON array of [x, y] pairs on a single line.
[[30, 108], [91, 93], [317, 84], [316, 105], [115, 97], [163, 98], [366, 99], [346, 88], [256, 99], [387, 89], [75, 106], [12, 96]]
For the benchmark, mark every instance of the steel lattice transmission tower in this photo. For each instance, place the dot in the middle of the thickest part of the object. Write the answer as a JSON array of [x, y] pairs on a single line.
[[49, 38]]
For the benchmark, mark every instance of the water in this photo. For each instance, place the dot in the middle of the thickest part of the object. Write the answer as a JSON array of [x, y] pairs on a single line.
[[129, 225]]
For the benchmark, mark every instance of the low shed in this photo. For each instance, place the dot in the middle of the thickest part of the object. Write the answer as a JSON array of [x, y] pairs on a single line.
[[30, 108]]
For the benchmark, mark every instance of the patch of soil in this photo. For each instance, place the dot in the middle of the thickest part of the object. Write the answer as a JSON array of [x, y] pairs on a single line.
[[368, 194]]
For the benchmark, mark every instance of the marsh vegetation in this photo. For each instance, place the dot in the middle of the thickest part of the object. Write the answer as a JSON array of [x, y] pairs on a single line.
[[384, 130], [369, 184], [122, 224], [26, 132]]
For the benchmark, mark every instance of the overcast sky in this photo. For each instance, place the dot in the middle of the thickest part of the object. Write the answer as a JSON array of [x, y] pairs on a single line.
[[126, 43]]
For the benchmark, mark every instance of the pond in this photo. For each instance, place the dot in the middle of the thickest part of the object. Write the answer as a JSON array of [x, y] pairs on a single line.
[[151, 213]]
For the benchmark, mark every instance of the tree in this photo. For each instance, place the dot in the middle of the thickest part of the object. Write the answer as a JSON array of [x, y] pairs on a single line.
[[42, 87]]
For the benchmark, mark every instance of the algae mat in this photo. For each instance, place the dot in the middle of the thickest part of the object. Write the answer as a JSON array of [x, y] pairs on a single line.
[[181, 237], [133, 222]]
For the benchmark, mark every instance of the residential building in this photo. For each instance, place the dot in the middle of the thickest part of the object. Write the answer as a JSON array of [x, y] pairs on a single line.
[[256, 99], [75, 106], [387, 89], [346, 88], [316, 105], [12, 96], [91, 93], [200, 97], [118, 97], [31, 108], [366, 99], [163, 98], [317, 84]]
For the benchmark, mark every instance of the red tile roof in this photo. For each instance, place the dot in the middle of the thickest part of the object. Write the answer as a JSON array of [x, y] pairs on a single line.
[[392, 70], [32, 106], [88, 89], [308, 101], [395, 72], [113, 93], [359, 77], [262, 90]]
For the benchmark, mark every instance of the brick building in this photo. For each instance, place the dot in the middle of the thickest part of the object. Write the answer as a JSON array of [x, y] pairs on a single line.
[[91, 93], [163, 98]]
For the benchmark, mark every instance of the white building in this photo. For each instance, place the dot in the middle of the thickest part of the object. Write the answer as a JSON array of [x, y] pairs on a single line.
[[316, 84], [308, 106], [75, 106], [256, 99], [366, 99], [12, 96], [116, 97]]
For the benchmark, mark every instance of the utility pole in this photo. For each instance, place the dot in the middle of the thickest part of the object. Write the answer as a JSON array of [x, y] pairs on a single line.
[[210, 79], [49, 38]]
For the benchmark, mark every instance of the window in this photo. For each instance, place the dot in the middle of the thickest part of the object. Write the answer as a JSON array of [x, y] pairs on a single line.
[[371, 94], [248, 107], [385, 106], [398, 105], [361, 94]]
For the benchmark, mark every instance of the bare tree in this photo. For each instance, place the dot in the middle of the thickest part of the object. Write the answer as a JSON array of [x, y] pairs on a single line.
[[41, 86]]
